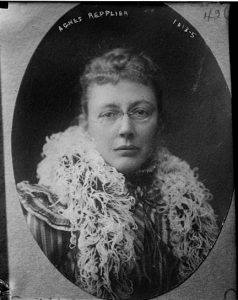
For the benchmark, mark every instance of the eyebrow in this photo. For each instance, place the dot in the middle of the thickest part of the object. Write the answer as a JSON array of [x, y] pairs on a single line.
[[112, 105], [142, 101]]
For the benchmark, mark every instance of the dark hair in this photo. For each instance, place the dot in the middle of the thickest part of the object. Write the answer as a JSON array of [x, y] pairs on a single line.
[[120, 64]]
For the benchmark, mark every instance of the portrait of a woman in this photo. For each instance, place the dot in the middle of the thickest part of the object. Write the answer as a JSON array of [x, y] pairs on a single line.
[[116, 212]]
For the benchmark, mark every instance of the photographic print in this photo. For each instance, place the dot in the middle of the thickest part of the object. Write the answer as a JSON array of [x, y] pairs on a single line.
[[121, 145]]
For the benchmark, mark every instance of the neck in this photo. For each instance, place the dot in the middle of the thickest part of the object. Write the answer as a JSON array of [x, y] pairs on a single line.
[[144, 175]]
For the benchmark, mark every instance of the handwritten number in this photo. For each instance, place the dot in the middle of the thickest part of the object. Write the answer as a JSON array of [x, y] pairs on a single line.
[[226, 12], [207, 15], [217, 12], [184, 28]]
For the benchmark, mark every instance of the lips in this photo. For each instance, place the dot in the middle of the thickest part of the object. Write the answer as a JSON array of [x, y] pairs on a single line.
[[125, 147], [127, 151]]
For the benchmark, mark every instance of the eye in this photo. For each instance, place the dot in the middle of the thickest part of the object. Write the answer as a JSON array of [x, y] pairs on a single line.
[[108, 115], [140, 113]]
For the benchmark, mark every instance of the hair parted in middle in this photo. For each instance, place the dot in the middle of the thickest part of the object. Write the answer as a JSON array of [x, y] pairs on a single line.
[[122, 64]]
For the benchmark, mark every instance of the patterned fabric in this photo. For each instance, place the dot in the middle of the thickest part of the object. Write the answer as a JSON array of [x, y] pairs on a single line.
[[54, 243], [157, 268], [39, 201]]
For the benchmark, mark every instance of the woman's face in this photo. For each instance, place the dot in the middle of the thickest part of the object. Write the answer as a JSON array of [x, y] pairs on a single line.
[[123, 121]]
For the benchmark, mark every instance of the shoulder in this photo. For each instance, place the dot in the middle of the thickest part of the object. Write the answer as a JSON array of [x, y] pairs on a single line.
[[40, 202], [49, 228]]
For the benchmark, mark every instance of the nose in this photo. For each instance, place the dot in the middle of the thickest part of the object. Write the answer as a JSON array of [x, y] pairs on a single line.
[[126, 128]]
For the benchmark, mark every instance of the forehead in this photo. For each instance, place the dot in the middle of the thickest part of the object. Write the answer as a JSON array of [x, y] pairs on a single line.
[[122, 94]]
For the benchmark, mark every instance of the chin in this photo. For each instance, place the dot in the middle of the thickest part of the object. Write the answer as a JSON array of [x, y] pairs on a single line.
[[128, 167]]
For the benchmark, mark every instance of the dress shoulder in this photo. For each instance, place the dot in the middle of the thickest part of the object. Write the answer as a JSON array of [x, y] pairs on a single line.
[[48, 227], [38, 201]]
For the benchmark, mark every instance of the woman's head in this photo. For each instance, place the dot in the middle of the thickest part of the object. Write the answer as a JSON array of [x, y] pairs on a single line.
[[121, 104]]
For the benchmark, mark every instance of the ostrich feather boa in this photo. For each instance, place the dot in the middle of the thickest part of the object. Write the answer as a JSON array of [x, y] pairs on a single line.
[[97, 205], [185, 204], [95, 200]]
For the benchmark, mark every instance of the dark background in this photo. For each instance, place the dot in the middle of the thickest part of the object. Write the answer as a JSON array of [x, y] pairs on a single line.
[[197, 100]]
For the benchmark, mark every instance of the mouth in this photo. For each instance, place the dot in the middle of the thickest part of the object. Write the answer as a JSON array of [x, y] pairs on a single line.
[[127, 148], [127, 151]]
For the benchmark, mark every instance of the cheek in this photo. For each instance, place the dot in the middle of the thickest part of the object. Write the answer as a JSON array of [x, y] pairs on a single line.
[[94, 130], [102, 138], [149, 134]]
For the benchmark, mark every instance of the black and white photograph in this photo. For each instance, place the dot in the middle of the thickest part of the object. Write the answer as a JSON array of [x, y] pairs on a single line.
[[121, 150]]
